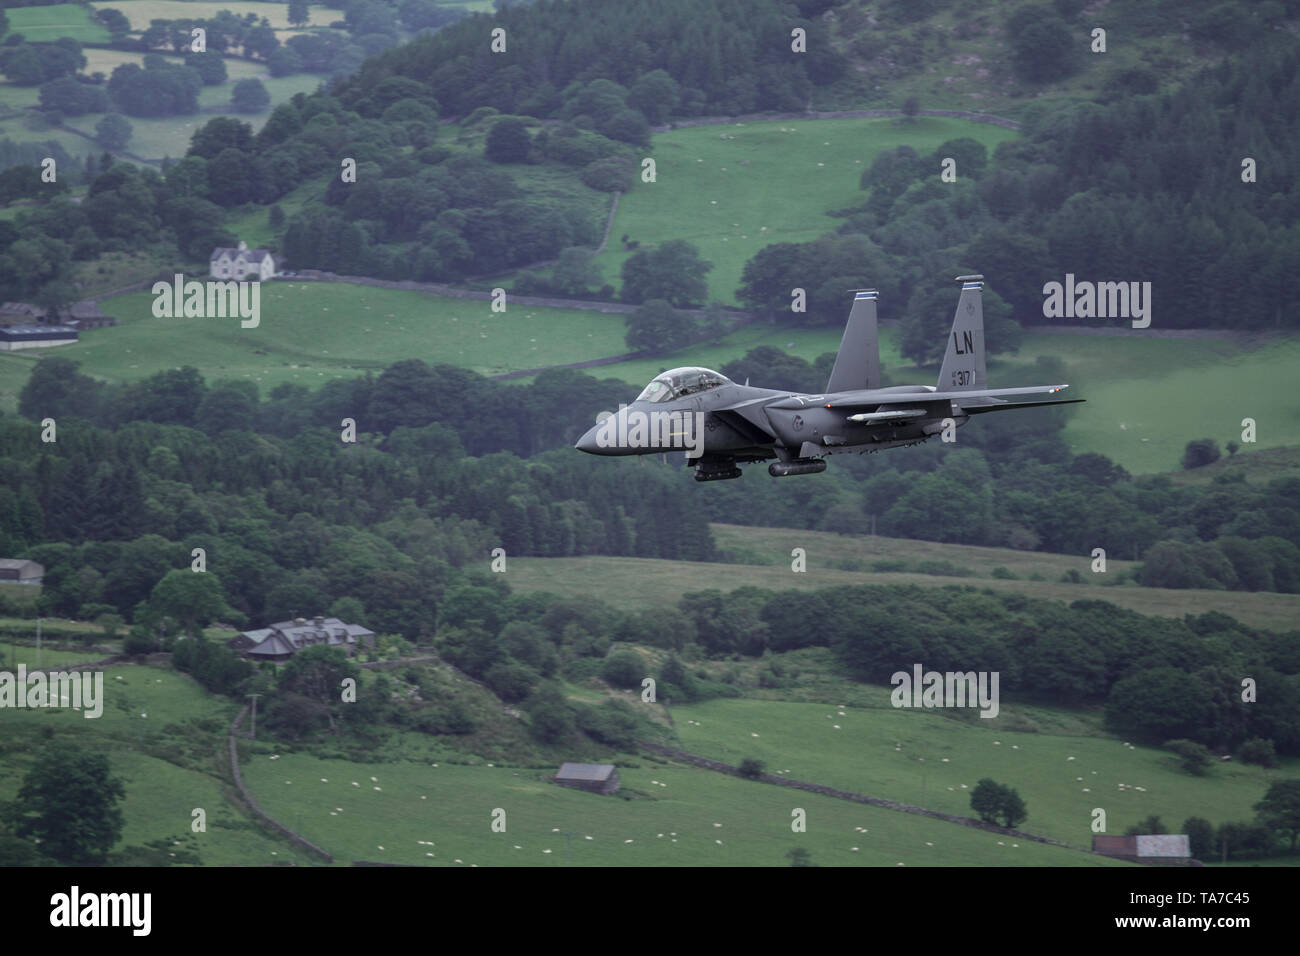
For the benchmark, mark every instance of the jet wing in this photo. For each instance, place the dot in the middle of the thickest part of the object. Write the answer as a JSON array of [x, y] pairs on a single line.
[[871, 397], [1003, 406]]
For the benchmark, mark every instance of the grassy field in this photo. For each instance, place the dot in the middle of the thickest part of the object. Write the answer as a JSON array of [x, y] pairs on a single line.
[[731, 190], [450, 807], [45, 24], [151, 713], [159, 137], [11, 655], [1148, 399], [106, 61], [140, 12], [23, 594], [299, 340], [851, 552], [926, 759], [631, 583], [253, 225]]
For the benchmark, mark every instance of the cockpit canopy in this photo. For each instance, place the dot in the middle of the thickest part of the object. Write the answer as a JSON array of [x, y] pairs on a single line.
[[678, 382]]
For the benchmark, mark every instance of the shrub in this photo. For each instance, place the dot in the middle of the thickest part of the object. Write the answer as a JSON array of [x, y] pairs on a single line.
[[1195, 758], [623, 669], [1259, 751]]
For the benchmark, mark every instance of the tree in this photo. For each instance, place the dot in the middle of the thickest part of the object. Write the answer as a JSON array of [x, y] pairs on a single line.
[[1195, 758], [1280, 809], [284, 62], [1201, 451], [575, 272], [1200, 835], [317, 673], [114, 21], [623, 669], [1014, 811], [193, 599], [1258, 751], [994, 801], [911, 106], [1042, 49], [750, 768], [550, 718], [249, 96], [69, 800], [1152, 825], [507, 141], [65, 95], [162, 91], [113, 131], [613, 174], [673, 272], [799, 857], [220, 133], [211, 66], [299, 14], [656, 94], [657, 325]]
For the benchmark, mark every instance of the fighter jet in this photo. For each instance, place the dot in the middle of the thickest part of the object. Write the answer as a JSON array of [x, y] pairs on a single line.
[[721, 424]]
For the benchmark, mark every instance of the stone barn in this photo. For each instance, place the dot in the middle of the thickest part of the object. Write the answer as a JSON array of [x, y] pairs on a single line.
[[594, 777], [23, 572], [1162, 848]]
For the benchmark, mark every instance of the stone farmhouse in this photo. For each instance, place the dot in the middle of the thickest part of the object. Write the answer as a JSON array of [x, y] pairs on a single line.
[[279, 642], [241, 262]]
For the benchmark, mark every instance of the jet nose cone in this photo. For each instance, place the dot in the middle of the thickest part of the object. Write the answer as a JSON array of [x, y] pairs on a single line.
[[588, 443]]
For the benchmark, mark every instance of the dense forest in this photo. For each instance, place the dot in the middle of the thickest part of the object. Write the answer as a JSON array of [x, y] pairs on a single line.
[[1143, 186], [449, 465]]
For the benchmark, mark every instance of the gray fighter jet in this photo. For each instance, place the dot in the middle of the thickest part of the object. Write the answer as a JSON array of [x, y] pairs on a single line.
[[720, 424]]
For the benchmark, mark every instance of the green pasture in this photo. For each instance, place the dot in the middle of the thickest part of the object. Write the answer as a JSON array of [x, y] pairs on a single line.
[[733, 189], [634, 583], [45, 24], [164, 737], [310, 332], [933, 760], [715, 820], [140, 12]]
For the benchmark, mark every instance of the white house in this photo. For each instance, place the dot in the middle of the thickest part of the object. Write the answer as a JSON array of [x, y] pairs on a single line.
[[225, 263]]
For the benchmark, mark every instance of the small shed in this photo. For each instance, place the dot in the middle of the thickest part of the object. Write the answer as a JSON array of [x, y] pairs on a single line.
[[24, 572], [1160, 848], [15, 337], [594, 777]]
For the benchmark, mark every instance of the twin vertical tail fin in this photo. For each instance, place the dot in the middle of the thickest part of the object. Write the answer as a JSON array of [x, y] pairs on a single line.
[[857, 365], [963, 364]]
